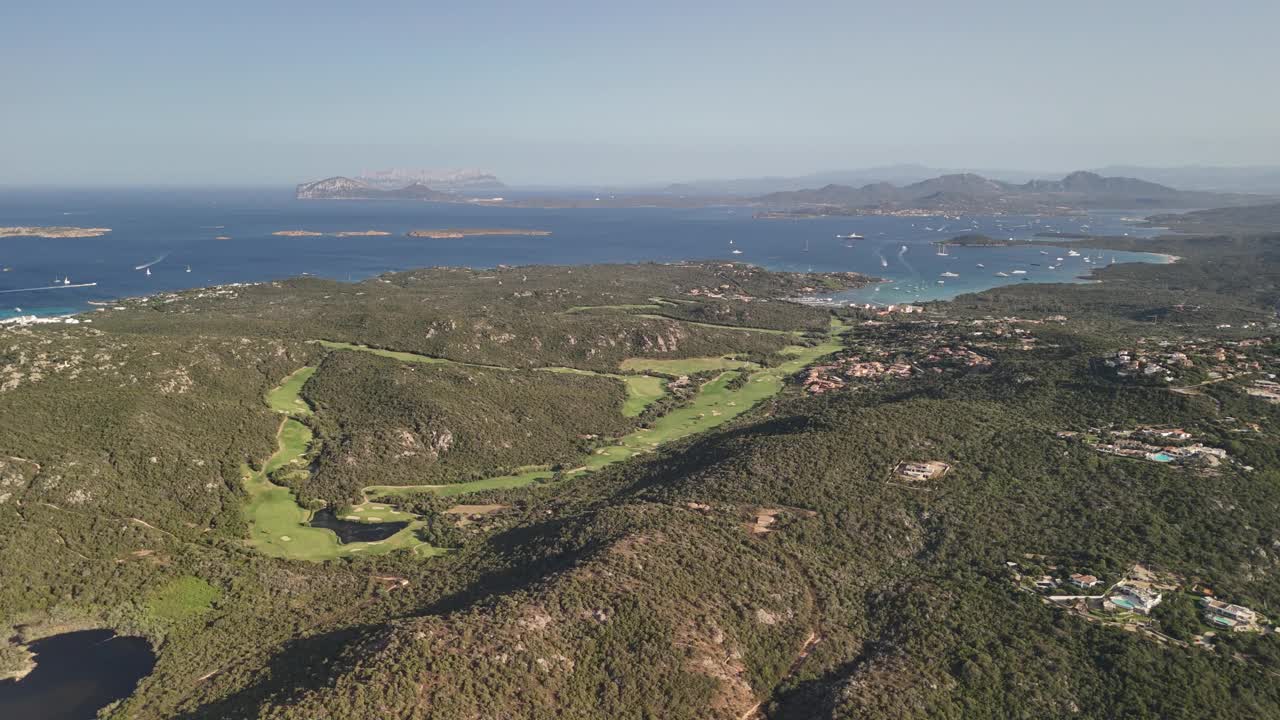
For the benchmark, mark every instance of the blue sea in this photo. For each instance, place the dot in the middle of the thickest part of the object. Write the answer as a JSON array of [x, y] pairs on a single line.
[[169, 231]]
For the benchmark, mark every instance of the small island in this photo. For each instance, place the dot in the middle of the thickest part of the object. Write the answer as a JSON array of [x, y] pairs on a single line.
[[341, 233], [454, 233], [55, 231], [980, 240]]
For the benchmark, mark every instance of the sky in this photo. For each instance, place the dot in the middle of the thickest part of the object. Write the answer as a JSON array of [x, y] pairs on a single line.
[[565, 92]]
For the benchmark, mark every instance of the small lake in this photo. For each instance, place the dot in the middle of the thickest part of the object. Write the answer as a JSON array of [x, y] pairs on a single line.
[[348, 531], [77, 674]]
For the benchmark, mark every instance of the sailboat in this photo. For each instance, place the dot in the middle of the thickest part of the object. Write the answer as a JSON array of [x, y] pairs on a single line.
[[189, 267], [148, 271], [66, 280]]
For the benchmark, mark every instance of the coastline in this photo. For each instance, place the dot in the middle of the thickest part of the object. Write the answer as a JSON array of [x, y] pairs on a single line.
[[26, 665]]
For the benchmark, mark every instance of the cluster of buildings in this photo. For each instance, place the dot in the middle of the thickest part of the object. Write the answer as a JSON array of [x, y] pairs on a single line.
[[1142, 364], [1131, 601], [723, 292], [1132, 596], [822, 378], [25, 320], [921, 470], [1163, 445], [883, 310], [1235, 618], [1268, 390], [1165, 360], [888, 350]]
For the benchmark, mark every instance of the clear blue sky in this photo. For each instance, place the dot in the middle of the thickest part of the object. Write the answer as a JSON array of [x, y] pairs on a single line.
[[558, 91]]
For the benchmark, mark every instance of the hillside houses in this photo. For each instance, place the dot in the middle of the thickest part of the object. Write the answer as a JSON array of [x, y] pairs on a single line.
[[1135, 597], [1162, 445], [1235, 618]]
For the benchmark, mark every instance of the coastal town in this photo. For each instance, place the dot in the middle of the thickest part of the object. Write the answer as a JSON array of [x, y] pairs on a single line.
[[894, 349]]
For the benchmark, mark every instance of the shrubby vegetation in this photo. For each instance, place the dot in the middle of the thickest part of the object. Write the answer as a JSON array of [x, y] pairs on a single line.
[[383, 422], [650, 588]]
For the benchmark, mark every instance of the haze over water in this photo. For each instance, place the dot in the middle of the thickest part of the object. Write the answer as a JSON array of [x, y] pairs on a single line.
[[169, 231]]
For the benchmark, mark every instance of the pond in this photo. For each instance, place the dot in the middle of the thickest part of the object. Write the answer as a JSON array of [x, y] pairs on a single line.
[[349, 531], [77, 674]]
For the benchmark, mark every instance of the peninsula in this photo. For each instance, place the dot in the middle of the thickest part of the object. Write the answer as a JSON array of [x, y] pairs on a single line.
[[53, 231]]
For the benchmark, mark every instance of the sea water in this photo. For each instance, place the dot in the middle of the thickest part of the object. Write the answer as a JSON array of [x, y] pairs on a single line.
[[170, 230]]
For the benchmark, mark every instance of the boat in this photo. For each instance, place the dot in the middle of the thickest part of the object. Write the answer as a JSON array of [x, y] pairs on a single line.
[[66, 280], [942, 282], [735, 252], [850, 236], [189, 267], [981, 265], [148, 271], [1073, 253], [1019, 272], [1044, 252], [904, 248], [949, 274], [1002, 274]]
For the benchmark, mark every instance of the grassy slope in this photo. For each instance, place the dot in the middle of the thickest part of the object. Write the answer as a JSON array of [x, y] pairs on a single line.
[[715, 405], [641, 391], [277, 523], [287, 397]]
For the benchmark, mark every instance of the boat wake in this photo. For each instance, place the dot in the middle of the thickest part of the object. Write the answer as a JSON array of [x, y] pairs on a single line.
[[146, 265], [50, 287]]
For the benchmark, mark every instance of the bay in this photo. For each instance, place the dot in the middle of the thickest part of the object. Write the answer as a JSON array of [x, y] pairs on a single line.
[[171, 230]]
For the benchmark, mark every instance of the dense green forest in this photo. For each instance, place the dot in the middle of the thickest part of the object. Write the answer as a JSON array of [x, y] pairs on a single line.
[[771, 567]]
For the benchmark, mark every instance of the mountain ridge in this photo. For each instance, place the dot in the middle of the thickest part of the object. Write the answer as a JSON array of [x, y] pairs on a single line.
[[972, 192]]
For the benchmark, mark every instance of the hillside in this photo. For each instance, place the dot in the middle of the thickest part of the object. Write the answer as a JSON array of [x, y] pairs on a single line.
[[660, 491], [974, 193], [1255, 218]]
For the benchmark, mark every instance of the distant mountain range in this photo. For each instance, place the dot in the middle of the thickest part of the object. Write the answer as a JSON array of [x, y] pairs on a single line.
[[1257, 179], [968, 193], [344, 188]]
